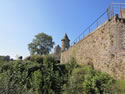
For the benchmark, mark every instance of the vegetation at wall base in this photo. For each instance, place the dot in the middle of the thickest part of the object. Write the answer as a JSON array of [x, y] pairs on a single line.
[[44, 75]]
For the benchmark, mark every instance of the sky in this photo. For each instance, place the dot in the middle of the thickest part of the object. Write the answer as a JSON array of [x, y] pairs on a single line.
[[21, 20]]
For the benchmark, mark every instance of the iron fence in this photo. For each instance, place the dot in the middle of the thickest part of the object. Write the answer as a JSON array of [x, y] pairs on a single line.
[[114, 8]]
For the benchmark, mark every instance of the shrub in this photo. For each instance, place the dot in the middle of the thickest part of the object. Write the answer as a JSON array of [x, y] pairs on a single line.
[[75, 81], [34, 58], [33, 76], [96, 82], [43, 75]]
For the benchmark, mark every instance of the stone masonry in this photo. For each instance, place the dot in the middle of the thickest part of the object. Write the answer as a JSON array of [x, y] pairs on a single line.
[[65, 43], [65, 46], [57, 52], [104, 49]]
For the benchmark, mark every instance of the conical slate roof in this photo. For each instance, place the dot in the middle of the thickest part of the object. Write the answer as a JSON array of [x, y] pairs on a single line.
[[65, 38], [57, 46]]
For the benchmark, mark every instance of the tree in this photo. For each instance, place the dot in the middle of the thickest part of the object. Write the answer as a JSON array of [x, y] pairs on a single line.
[[20, 57], [41, 44]]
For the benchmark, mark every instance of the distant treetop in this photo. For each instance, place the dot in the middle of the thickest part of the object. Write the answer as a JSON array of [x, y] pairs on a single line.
[[41, 44]]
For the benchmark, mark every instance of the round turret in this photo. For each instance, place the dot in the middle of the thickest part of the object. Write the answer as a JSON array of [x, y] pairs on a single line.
[[65, 43]]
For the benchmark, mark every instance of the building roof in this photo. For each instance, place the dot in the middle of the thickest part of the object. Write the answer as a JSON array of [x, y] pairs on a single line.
[[65, 38], [57, 46]]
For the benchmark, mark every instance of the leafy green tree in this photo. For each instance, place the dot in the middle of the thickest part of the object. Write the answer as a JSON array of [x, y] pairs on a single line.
[[41, 44]]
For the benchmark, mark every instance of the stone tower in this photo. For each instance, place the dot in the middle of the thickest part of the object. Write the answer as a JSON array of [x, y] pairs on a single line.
[[57, 52], [57, 49], [65, 43]]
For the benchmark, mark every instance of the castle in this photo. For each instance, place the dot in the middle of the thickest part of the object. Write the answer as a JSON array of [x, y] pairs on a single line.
[[65, 46], [103, 48]]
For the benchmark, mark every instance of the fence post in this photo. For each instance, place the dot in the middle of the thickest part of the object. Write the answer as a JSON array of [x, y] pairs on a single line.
[[89, 29], [112, 11], [108, 15], [120, 11], [96, 23]]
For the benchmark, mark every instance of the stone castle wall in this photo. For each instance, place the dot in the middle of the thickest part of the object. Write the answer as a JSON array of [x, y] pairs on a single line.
[[104, 49]]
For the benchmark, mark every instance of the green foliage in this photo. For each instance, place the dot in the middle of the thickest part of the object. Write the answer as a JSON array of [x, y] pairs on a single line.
[[43, 75], [85, 80], [34, 58], [41, 44], [4, 58], [14, 77], [118, 87], [72, 85], [71, 65], [76, 79], [121, 85], [96, 82], [34, 76]]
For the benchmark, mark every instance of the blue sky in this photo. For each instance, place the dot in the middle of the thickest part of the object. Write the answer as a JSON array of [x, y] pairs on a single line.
[[21, 20]]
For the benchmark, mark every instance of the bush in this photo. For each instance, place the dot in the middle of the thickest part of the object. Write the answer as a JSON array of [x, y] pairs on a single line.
[[34, 58], [43, 75], [85, 80], [33, 76], [96, 82], [73, 85], [75, 82]]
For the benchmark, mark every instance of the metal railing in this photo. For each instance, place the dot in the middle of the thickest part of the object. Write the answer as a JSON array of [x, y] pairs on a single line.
[[114, 8]]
